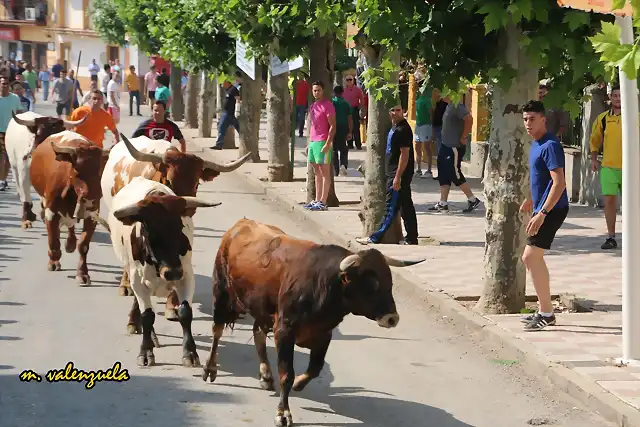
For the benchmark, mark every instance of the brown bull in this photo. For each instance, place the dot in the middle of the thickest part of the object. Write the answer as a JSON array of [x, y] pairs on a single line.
[[298, 289], [160, 162], [65, 171]]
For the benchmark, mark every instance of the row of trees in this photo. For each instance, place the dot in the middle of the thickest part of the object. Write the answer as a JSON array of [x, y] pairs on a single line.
[[507, 44]]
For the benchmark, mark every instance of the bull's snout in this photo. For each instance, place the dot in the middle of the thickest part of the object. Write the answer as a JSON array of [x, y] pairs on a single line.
[[389, 320], [171, 274]]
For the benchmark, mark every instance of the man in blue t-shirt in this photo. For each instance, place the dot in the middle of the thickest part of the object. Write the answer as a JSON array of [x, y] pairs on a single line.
[[228, 116], [549, 205]]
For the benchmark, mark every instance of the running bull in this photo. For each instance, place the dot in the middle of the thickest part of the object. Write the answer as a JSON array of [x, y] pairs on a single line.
[[159, 161], [152, 235], [301, 291]]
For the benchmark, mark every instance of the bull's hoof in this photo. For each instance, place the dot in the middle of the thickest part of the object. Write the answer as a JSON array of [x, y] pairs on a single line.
[[171, 314], [209, 373], [70, 245], [125, 291], [284, 420], [54, 266], [155, 340], [26, 224], [300, 382], [267, 384], [133, 329], [83, 280], [31, 216], [191, 360], [147, 359]]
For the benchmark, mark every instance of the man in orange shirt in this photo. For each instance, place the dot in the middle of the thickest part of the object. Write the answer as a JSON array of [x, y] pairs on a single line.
[[93, 127]]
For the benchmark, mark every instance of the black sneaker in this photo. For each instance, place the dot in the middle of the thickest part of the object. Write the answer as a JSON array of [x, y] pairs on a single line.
[[610, 243], [215, 147], [3, 185], [471, 205], [439, 207], [529, 317], [539, 322]]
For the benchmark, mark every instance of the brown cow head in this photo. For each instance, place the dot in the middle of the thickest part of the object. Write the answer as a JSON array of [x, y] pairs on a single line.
[[84, 176], [43, 127], [180, 171], [162, 241], [368, 284]]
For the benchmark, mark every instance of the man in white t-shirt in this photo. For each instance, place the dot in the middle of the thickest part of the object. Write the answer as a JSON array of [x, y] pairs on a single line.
[[113, 95]]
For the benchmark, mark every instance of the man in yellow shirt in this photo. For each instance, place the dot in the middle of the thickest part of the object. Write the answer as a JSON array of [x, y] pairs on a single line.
[[133, 86], [93, 127], [607, 130]]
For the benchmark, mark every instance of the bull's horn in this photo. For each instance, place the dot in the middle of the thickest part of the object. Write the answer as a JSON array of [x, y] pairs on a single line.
[[139, 156], [23, 122], [62, 150], [194, 202], [350, 261], [126, 211], [69, 124], [392, 262], [106, 152], [208, 164]]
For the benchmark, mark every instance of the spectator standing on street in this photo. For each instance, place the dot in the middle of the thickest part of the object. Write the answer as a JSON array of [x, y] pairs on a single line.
[[26, 91], [320, 145], [150, 85], [354, 96], [456, 126], [163, 93], [228, 117], [9, 103], [302, 102], [61, 94], [344, 128], [133, 86], [45, 77], [400, 166], [18, 88], [159, 127], [31, 77], [424, 134], [94, 69], [606, 133], [104, 84], [113, 95], [57, 69], [549, 204], [98, 120]]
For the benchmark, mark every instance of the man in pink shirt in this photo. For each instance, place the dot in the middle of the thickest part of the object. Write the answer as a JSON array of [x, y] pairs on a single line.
[[150, 85], [320, 146], [354, 96]]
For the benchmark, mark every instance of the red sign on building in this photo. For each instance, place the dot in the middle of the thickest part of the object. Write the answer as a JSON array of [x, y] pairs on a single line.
[[9, 33]]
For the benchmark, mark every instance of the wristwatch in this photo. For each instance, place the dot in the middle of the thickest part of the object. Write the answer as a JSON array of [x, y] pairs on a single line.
[[544, 212]]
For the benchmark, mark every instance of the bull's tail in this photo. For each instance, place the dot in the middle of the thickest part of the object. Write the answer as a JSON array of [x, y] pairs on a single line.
[[95, 216], [224, 311]]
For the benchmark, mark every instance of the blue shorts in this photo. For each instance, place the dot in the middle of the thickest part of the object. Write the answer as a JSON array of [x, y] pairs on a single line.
[[450, 165]]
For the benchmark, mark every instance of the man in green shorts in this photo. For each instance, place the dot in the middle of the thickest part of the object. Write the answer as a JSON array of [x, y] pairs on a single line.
[[320, 147]]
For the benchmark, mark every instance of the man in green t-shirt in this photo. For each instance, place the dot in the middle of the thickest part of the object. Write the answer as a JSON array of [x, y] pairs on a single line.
[[344, 128], [423, 134]]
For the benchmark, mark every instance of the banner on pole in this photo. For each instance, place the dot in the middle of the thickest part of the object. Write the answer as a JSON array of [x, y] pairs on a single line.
[[278, 67], [248, 65]]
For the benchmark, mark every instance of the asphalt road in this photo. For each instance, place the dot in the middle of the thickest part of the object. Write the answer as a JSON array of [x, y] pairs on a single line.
[[422, 373]]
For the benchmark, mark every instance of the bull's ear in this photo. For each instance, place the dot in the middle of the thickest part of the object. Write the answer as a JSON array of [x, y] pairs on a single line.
[[129, 219], [64, 157], [209, 174]]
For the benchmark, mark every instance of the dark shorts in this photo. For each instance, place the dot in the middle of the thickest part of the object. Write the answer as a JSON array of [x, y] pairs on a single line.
[[450, 165], [151, 95], [63, 107], [549, 228]]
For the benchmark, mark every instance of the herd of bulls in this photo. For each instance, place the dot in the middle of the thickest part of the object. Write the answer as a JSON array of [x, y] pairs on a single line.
[[297, 289]]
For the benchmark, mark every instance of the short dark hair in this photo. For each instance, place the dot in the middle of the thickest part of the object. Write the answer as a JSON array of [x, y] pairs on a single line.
[[17, 85], [238, 74], [106, 67], [615, 87], [164, 104], [97, 92], [533, 106], [63, 71], [338, 90], [318, 83], [542, 86]]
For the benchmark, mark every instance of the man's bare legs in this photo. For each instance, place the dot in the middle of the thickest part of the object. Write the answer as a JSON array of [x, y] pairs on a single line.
[[324, 172], [427, 154], [610, 211], [418, 151], [533, 259]]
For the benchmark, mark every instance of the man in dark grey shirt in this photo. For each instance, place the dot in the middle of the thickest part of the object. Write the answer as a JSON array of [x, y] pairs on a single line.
[[456, 126]]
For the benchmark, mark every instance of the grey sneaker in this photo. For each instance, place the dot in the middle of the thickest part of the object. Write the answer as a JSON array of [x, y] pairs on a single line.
[[3, 185], [539, 322], [439, 207]]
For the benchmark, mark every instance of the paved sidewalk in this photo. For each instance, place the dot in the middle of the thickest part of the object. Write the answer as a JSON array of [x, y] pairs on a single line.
[[585, 343]]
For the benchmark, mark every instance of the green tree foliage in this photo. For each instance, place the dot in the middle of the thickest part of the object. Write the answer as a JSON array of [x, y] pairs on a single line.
[[107, 22]]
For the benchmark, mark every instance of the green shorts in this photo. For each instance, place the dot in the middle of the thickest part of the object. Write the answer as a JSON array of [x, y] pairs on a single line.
[[610, 181], [316, 155]]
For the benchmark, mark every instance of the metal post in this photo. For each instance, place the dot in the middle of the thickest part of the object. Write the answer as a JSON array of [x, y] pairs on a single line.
[[293, 131], [630, 208]]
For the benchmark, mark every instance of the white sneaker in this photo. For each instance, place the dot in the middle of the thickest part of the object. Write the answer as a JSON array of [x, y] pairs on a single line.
[[427, 174], [343, 171]]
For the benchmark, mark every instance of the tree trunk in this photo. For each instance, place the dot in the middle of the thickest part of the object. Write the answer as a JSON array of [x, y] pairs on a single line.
[[249, 117], [278, 127], [206, 105], [193, 96], [321, 69], [177, 106], [337, 79], [591, 108], [506, 184], [375, 180]]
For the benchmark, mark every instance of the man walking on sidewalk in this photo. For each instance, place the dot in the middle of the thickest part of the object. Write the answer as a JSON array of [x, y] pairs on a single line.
[[133, 86], [344, 128], [320, 145], [549, 204], [228, 117], [9, 103], [355, 97], [400, 164]]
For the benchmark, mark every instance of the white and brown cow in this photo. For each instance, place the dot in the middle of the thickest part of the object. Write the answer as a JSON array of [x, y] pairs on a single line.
[[152, 235], [65, 171], [159, 161], [24, 133]]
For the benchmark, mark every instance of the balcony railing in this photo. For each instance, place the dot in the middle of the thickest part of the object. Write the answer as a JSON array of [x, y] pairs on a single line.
[[25, 11]]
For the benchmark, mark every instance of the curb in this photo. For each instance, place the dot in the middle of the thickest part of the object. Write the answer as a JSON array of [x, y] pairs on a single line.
[[562, 378]]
